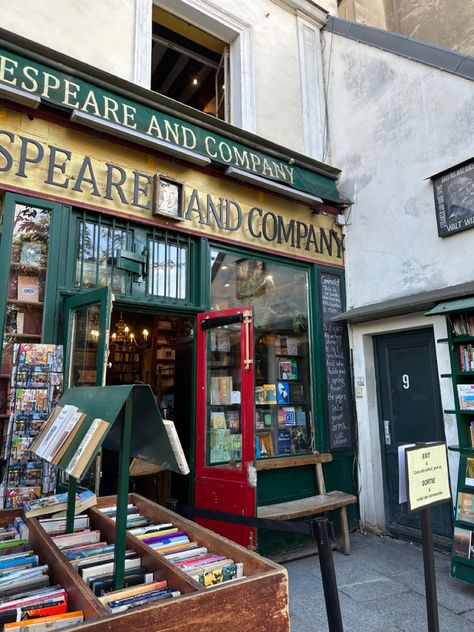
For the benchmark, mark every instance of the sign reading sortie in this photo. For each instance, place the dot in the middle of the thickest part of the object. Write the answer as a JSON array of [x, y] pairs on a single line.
[[427, 475]]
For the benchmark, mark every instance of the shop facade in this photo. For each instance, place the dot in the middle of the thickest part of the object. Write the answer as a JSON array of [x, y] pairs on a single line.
[[162, 250]]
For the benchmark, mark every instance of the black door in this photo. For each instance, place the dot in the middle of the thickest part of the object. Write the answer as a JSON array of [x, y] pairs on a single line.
[[409, 411]]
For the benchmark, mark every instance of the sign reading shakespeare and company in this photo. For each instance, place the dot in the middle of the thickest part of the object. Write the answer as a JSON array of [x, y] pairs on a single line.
[[67, 91], [49, 161], [427, 475]]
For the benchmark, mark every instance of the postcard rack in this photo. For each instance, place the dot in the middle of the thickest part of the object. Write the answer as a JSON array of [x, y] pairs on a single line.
[[259, 599]]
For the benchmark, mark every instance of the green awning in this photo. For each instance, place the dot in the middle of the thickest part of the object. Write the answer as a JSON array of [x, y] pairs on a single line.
[[459, 305]]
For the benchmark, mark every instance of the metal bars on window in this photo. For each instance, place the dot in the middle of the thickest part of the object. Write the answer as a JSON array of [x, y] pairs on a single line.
[[168, 266], [97, 244]]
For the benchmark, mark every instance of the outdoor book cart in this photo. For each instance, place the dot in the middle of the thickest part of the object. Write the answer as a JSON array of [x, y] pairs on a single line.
[[259, 600]]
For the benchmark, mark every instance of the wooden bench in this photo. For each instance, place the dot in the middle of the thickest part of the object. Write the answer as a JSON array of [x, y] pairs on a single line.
[[323, 502]]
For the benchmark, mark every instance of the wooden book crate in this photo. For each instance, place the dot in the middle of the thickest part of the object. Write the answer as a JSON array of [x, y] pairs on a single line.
[[258, 601]]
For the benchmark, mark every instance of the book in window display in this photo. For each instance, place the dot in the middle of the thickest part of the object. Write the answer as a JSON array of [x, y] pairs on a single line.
[[217, 419], [283, 392], [283, 442], [288, 369], [221, 390], [220, 446], [232, 419], [269, 394], [462, 543], [297, 393], [264, 444], [299, 440]]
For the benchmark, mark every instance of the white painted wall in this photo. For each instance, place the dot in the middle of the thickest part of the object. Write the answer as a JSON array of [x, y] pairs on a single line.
[[98, 33], [393, 123], [273, 45]]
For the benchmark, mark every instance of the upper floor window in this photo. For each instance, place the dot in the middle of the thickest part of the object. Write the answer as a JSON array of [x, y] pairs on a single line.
[[190, 65]]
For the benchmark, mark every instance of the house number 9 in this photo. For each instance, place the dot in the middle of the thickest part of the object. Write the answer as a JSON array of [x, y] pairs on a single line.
[[406, 381]]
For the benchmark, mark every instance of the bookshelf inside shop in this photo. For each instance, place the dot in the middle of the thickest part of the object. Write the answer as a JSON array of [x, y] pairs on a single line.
[[460, 321]]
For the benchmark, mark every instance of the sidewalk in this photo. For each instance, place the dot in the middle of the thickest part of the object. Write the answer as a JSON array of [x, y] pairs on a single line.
[[381, 589]]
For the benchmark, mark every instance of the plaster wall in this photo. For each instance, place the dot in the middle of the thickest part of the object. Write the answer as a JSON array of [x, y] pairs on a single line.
[[369, 434], [395, 122], [115, 36], [98, 33]]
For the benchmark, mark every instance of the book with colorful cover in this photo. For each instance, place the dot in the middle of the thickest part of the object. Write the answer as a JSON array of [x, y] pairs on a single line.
[[44, 624], [283, 392], [220, 448], [236, 447], [259, 395], [288, 369], [221, 390], [232, 418], [265, 444], [465, 507], [299, 439], [269, 394], [469, 474], [283, 442], [462, 542], [466, 396], [217, 419]]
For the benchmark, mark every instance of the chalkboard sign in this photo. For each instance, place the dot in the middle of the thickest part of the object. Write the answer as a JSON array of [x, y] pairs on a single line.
[[338, 392]]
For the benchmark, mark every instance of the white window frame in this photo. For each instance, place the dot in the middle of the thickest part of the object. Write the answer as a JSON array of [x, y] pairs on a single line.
[[226, 27]]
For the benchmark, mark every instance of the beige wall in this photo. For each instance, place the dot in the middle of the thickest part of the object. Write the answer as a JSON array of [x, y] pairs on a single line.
[[448, 23], [103, 34], [98, 33]]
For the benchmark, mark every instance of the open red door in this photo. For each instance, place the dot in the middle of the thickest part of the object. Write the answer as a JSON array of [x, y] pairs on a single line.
[[225, 420]]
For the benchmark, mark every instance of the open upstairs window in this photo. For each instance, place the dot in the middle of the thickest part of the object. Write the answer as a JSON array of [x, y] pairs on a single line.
[[190, 65]]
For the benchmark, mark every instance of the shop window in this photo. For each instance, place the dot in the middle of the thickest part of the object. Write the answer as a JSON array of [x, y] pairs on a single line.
[[278, 295], [189, 65], [27, 280], [96, 249], [168, 268]]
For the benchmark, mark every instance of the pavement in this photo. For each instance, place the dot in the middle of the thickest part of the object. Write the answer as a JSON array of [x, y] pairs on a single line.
[[381, 588]]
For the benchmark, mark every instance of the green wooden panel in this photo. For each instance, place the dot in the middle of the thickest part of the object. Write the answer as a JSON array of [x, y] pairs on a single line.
[[447, 307], [149, 437]]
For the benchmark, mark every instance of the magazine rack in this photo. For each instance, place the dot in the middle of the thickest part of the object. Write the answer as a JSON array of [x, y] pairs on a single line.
[[136, 430]]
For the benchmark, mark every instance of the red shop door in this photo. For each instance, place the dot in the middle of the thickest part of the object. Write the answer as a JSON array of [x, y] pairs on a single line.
[[225, 420]]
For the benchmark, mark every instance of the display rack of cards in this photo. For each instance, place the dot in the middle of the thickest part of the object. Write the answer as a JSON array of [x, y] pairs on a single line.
[[36, 385]]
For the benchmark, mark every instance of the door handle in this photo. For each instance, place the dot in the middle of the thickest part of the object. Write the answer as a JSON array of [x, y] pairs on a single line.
[[388, 438]]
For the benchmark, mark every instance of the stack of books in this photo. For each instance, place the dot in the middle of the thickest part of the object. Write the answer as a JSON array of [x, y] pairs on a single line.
[[93, 558], [57, 504], [28, 600], [63, 427], [204, 566]]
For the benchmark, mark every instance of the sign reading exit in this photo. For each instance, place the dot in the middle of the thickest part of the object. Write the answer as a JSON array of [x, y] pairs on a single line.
[[427, 475]]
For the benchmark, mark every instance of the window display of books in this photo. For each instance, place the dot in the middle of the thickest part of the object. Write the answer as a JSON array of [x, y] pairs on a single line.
[[282, 405], [36, 385]]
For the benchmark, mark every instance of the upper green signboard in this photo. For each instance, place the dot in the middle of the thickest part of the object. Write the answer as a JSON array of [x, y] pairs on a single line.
[[67, 91]]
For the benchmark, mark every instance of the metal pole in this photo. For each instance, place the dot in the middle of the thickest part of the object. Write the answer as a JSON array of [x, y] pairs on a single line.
[[430, 575], [71, 504], [122, 496], [319, 528]]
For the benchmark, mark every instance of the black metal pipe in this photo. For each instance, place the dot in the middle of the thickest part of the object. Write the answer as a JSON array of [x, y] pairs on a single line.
[[319, 528], [430, 574]]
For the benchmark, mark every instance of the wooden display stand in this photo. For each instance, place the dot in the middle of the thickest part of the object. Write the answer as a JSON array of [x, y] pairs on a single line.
[[258, 601]]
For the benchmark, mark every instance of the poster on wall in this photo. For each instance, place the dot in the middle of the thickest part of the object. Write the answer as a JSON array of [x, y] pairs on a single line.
[[454, 198]]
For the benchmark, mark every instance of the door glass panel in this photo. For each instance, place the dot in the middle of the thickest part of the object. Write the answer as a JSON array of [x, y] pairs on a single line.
[[279, 297], [84, 351], [223, 403]]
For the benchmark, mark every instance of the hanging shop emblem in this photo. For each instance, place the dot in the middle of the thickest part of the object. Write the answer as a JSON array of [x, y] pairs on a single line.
[[454, 198]]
